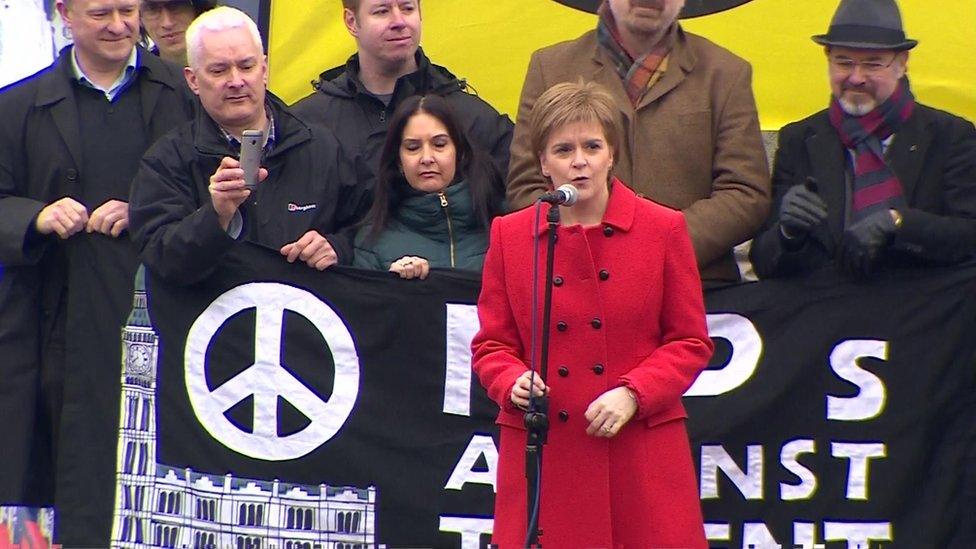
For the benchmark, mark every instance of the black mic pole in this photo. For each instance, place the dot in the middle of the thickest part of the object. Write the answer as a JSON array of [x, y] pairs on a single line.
[[537, 418]]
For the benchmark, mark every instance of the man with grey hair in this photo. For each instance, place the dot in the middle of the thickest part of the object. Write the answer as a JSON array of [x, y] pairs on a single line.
[[692, 138], [70, 142], [189, 204], [876, 179]]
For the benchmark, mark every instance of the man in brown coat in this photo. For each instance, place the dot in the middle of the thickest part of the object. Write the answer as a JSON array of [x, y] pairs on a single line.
[[691, 132]]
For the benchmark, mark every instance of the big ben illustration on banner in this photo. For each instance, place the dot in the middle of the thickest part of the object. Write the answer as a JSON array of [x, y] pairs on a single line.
[[161, 506]]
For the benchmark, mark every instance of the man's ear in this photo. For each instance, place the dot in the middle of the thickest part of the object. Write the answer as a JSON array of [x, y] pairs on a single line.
[[63, 11], [349, 18], [902, 63], [191, 80]]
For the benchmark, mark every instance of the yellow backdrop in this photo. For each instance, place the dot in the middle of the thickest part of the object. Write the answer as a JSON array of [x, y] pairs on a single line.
[[489, 44]]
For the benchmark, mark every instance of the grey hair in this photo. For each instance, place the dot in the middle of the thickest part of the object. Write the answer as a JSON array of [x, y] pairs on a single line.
[[218, 19]]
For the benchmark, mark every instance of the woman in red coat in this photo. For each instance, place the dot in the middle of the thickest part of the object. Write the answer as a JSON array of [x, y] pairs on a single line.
[[627, 338]]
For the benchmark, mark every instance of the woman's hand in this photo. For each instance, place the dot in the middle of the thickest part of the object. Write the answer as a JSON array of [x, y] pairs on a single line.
[[610, 412], [411, 266], [520, 390]]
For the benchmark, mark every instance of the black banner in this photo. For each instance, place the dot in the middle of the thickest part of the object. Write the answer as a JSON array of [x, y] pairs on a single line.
[[846, 416], [276, 406], [353, 365]]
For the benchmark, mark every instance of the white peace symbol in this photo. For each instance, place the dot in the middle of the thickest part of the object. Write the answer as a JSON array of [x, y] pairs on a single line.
[[266, 379]]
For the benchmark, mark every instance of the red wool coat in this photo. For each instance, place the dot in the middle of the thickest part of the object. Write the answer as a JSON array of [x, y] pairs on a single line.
[[627, 311]]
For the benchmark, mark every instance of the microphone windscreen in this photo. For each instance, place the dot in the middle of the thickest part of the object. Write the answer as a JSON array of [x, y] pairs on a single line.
[[572, 194]]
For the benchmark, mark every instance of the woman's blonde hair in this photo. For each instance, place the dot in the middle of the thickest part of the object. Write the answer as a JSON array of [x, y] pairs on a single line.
[[569, 103]]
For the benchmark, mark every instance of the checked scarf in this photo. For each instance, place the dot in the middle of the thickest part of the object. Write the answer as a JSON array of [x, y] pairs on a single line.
[[638, 75], [876, 187]]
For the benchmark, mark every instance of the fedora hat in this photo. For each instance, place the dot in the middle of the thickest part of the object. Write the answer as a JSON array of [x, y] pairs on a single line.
[[866, 24]]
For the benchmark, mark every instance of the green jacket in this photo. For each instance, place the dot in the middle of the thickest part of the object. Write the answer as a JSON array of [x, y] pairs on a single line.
[[440, 227]]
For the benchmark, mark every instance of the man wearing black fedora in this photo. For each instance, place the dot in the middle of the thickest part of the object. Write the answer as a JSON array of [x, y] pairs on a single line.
[[875, 179]]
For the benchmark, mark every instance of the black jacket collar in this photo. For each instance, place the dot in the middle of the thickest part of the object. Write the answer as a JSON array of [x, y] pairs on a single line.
[[58, 81], [289, 131], [55, 91], [343, 81]]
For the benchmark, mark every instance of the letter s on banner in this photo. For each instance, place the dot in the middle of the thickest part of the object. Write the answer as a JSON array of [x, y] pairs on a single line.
[[808, 481], [747, 347], [870, 399]]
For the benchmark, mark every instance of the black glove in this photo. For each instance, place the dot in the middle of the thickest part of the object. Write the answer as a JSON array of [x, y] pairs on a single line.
[[864, 243], [801, 210]]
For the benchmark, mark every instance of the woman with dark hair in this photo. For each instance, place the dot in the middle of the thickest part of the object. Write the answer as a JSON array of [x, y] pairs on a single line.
[[164, 22], [435, 195]]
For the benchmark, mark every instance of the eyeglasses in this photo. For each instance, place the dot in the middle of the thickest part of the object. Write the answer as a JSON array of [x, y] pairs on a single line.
[[846, 65], [152, 10]]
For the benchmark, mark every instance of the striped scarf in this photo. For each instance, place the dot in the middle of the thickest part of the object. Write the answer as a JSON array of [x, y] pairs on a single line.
[[876, 187], [638, 75]]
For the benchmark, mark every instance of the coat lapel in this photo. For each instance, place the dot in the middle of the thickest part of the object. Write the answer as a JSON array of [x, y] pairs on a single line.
[[907, 152], [826, 154], [150, 86], [680, 62], [55, 92], [605, 75]]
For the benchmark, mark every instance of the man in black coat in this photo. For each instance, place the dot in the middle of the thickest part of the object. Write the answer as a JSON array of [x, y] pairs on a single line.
[[357, 99], [189, 202], [875, 179], [70, 142]]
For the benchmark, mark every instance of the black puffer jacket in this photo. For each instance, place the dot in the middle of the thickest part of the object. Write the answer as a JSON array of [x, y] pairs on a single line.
[[442, 228], [359, 119]]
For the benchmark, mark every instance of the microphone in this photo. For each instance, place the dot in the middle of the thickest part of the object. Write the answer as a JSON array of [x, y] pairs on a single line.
[[566, 195]]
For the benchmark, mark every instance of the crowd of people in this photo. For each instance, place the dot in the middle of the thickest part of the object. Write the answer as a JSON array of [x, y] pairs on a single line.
[[119, 154]]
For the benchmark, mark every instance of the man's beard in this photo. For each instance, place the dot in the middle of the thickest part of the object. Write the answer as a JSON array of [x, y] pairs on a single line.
[[859, 108], [646, 27]]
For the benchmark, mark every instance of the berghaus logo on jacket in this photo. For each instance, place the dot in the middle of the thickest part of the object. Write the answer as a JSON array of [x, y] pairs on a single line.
[[292, 207]]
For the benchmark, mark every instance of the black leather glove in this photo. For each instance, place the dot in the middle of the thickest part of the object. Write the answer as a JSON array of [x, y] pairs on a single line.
[[864, 243], [801, 210]]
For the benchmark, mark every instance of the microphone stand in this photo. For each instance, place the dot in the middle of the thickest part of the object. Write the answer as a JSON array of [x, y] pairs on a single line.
[[537, 417]]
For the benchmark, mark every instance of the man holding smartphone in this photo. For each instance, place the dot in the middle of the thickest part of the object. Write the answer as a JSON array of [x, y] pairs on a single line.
[[190, 201]]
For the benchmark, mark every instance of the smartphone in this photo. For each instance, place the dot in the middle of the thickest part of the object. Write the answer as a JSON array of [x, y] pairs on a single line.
[[252, 143]]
